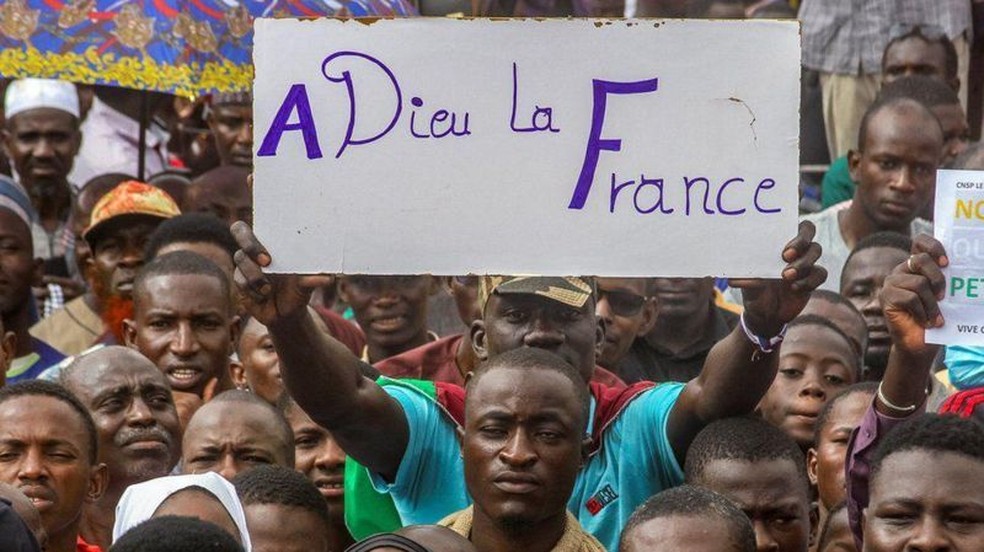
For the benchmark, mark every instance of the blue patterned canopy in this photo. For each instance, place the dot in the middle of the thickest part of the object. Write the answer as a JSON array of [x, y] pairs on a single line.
[[185, 47]]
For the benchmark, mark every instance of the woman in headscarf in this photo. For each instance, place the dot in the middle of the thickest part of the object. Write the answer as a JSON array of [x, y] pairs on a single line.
[[206, 496]]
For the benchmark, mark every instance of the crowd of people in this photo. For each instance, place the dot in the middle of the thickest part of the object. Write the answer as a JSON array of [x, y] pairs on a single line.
[[160, 389]]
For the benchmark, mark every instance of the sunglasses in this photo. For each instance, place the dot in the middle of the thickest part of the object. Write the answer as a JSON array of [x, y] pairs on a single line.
[[929, 32], [622, 303]]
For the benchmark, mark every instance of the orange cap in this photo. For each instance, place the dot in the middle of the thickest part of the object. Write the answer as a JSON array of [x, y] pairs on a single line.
[[131, 198]]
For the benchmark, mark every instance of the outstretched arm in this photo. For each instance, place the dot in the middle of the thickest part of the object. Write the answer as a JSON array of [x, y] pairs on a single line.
[[320, 373], [737, 373]]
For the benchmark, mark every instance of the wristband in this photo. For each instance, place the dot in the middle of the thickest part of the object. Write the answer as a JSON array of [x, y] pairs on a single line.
[[764, 344]]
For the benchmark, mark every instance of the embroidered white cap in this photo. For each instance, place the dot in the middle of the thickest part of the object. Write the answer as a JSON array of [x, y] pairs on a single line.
[[26, 94]]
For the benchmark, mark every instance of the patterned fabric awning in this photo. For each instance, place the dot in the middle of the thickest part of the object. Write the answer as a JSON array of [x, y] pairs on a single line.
[[186, 47]]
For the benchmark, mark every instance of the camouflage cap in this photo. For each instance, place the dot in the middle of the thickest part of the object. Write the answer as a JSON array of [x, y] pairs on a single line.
[[569, 290]]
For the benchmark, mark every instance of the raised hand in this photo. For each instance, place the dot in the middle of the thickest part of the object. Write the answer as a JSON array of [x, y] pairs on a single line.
[[770, 304], [269, 297], [911, 294]]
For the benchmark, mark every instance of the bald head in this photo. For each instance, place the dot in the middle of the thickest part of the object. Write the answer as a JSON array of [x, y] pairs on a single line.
[[130, 402], [900, 116]]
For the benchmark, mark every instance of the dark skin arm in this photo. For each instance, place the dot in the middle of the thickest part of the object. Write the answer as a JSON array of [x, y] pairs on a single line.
[[320, 373], [736, 374], [910, 300]]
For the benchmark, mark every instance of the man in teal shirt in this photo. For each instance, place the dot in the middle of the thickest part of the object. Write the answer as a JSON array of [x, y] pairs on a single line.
[[407, 440]]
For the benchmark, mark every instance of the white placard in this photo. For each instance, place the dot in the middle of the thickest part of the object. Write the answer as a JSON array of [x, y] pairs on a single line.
[[553, 147], [959, 225]]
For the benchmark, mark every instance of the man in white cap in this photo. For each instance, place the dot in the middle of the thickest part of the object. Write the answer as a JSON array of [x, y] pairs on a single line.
[[41, 138]]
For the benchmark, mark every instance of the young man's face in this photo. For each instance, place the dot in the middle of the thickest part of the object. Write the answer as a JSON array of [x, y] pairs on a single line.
[[861, 282], [41, 144], [825, 462], [625, 308], [696, 533], [914, 56], [282, 528], [391, 310], [320, 459], [48, 459], [814, 364], [522, 444], [231, 437], [896, 167], [184, 324], [130, 402], [923, 500], [524, 320], [773, 494], [18, 268]]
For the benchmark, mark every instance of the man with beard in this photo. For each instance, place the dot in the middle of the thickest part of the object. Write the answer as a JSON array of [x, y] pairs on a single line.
[[120, 225], [41, 138], [78, 325], [139, 436], [864, 273]]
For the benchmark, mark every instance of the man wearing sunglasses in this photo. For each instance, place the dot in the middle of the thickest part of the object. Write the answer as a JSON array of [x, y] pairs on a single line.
[[688, 323], [451, 358], [625, 308]]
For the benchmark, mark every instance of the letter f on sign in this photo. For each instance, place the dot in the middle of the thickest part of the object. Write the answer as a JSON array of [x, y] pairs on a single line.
[[596, 143]]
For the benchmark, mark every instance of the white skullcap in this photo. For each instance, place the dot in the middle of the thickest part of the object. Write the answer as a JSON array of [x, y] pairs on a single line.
[[27, 94]]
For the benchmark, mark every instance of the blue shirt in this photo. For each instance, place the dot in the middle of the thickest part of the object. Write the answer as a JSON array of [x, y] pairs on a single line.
[[30, 366], [634, 462]]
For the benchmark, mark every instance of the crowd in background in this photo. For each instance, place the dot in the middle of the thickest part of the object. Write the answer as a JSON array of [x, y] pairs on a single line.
[[160, 390]]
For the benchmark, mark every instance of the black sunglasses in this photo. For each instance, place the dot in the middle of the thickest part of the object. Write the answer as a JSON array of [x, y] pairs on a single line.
[[622, 303]]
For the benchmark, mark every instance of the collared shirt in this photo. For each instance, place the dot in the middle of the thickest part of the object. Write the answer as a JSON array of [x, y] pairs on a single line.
[[650, 361], [634, 461], [110, 143], [848, 37], [574, 539], [860, 451]]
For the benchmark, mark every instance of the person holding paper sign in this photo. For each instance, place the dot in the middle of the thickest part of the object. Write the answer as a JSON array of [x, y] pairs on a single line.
[[639, 451]]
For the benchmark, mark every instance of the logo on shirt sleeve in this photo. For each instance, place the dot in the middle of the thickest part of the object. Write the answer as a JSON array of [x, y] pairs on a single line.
[[602, 498]]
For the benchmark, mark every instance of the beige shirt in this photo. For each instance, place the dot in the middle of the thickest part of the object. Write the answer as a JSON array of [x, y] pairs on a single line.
[[574, 539], [71, 329]]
